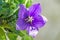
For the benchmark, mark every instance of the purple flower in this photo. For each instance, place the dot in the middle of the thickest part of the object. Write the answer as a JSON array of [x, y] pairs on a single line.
[[30, 19]]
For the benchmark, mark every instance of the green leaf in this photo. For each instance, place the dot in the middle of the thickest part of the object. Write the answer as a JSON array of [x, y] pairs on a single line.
[[12, 28], [22, 1], [27, 37], [12, 36], [2, 34], [23, 33], [28, 3]]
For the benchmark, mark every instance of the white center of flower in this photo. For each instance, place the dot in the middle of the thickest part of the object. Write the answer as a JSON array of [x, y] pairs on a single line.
[[29, 19]]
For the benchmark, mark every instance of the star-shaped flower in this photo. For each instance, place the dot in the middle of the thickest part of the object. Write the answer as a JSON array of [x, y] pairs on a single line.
[[30, 19]]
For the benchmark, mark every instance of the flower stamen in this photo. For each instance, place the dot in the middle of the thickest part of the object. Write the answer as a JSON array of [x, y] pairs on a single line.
[[29, 19]]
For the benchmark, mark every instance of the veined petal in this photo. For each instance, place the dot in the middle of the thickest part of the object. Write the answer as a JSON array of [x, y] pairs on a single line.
[[21, 24], [22, 11], [35, 9], [33, 31], [39, 21]]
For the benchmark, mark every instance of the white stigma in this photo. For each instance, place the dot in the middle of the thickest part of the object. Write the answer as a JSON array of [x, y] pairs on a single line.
[[30, 19]]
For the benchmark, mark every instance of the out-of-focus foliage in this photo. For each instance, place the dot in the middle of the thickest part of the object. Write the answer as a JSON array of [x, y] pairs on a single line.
[[8, 17], [26, 37], [29, 2], [2, 34]]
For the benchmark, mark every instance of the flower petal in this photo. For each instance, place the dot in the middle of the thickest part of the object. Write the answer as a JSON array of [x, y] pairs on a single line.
[[21, 24], [35, 9], [44, 18], [22, 11], [39, 21], [32, 31]]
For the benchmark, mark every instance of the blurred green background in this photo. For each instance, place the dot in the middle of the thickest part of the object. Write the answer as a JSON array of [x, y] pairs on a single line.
[[51, 10]]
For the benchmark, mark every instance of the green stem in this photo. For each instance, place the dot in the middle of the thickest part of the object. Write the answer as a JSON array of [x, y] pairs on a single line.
[[14, 11]]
